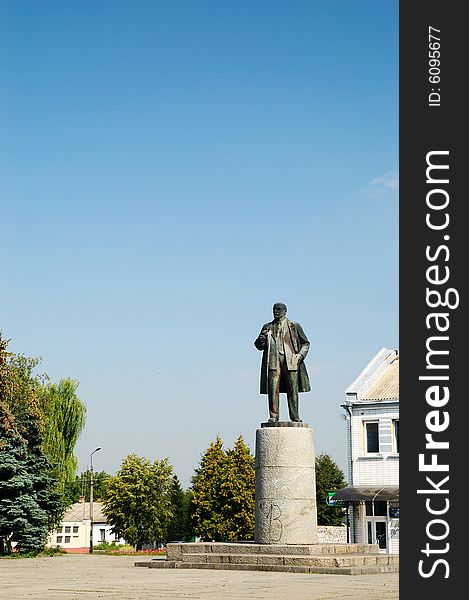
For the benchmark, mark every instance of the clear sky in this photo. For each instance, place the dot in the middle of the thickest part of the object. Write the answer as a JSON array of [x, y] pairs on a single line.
[[171, 168]]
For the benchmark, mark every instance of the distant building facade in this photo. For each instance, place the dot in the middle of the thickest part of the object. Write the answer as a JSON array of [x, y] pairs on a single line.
[[372, 413], [73, 533]]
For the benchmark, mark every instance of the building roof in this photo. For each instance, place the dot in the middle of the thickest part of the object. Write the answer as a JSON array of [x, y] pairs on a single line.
[[379, 380], [80, 511], [386, 387], [362, 493]]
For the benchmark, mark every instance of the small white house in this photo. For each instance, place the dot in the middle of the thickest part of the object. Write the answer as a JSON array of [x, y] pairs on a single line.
[[372, 414], [73, 533]]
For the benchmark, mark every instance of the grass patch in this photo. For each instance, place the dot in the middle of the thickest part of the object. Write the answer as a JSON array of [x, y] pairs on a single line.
[[54, 551]]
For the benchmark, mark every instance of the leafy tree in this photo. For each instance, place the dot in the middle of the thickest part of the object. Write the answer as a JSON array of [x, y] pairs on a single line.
[[80, 486], [29, 503], [329, 478], [137, 500], [61, 413], [64, 417], [222, 506], [178, 528]]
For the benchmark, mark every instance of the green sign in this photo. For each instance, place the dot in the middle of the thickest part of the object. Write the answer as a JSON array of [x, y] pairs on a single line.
[[331, 501]]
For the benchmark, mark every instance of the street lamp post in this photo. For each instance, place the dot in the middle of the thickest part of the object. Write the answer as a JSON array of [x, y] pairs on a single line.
[[91, 499]]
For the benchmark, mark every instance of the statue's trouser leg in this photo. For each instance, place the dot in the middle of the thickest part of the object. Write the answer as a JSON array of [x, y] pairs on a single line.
[[274, 387], [291, 380]]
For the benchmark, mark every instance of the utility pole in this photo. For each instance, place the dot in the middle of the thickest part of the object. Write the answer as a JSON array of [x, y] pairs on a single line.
[[91, 499]]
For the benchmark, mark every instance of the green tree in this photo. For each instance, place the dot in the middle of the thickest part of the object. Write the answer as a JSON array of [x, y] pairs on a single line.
[[329, 478], [137, 500], [64, 417], [80, 486], [178, 528], [207, 501], [29, 503], [222, 505], [61, 414], [238, 490]]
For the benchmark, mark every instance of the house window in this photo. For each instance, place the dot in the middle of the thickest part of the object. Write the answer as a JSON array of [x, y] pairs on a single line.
[[75, 529], [67, 539], [116, 537], [59, 529], [376, 508], [395, 426], [380, 509], [371, 437], [67, 529], [102, 533], [59, 539]]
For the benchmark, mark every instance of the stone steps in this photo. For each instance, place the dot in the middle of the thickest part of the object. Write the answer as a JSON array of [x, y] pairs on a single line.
[[176, 551], [343, 560], [357, 570], [347, 559]]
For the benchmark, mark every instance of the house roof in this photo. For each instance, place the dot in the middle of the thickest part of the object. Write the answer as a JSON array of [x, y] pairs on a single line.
[[378, 381], [362, 493], [386, 387], [80, 511]]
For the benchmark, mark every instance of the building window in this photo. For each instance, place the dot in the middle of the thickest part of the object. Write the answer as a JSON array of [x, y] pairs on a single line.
[[59, 529], [102, 533], [67, 539], [59, 539], [67, 529], [370, 532], [116, 537], [380, 509], [371, 437], [75, 529], [395, 426], [376, 508]]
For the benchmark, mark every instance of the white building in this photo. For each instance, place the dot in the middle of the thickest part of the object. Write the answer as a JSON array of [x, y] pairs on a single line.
[[372, 413], [73, 533]]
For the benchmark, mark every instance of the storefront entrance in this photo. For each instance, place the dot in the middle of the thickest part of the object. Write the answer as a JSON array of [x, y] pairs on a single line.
[[376, 523], [376, 533]]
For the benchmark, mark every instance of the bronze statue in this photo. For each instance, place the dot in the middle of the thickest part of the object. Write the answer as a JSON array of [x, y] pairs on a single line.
[[285, 347]]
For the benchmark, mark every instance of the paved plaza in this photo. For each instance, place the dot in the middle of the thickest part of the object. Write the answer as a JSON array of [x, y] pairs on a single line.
[[73, 577]]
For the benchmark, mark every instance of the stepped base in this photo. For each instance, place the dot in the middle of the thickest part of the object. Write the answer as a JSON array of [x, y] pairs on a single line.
[[345, 559]]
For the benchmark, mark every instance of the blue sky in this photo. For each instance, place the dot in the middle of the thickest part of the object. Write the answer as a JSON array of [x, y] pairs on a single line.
[[169, 170]]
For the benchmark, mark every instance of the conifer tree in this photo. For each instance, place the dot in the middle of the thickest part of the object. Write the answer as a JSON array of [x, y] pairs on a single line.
[[207, 501], [238, 491], [222, 506], [329, 478], [178, 526]]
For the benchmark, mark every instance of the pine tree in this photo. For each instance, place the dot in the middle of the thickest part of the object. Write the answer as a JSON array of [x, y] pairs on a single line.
[[238, 490], [207, 500], [222, 505], [178, 526], [329, 478]]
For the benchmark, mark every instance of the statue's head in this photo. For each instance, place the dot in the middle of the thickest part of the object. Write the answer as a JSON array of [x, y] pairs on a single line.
[[279, 310]]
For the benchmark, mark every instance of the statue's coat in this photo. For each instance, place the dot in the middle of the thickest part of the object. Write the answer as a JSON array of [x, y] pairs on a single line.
[[300, 344]]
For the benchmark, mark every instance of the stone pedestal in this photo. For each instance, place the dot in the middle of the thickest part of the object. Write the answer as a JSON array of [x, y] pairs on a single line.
[[285, 484]]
